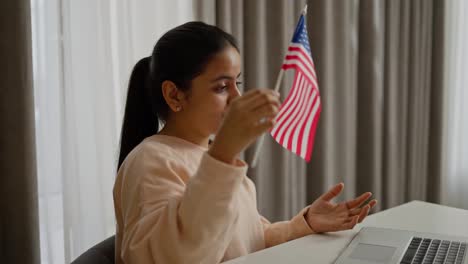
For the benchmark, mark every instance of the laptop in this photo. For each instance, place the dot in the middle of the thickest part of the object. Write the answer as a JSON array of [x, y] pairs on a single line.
[[373, 245]]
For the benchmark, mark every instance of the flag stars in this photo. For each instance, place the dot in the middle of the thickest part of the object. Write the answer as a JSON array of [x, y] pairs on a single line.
[[301, 36]]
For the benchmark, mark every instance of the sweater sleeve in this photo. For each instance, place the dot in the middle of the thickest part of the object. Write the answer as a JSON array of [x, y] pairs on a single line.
[[166, 221], [284, 231]]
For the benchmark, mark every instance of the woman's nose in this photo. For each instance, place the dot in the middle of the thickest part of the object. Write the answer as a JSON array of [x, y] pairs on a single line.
[[234, 94]]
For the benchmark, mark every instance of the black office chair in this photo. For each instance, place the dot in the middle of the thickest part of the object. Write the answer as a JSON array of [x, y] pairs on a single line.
[[102, 253]]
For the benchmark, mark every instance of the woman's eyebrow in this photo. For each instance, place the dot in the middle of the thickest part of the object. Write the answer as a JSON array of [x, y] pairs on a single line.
[[225, 77]]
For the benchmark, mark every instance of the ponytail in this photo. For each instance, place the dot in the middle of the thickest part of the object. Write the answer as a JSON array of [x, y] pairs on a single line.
[[140, 120]]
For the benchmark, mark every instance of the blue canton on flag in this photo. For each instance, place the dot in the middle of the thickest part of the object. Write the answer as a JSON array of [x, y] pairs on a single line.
[[300, 36]]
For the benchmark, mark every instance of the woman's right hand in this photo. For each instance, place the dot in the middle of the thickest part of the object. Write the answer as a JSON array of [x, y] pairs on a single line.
[[241, 124]]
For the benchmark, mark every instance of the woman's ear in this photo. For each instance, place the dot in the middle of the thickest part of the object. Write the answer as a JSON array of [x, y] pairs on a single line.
[[172, 95]]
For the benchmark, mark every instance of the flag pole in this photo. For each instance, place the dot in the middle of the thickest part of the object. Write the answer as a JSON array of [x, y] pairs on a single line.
[[277, 86], [260, 143]]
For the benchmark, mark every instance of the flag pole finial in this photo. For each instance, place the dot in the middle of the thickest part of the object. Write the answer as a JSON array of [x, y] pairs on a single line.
[[304, 11]]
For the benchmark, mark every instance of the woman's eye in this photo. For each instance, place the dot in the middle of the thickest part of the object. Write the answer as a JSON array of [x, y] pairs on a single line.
[[222, 88]]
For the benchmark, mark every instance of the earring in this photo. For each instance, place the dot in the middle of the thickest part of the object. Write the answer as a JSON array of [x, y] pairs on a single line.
[[178, 108]]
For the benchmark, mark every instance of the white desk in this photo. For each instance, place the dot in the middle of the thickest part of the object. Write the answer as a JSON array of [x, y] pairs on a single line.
[[325, 248]]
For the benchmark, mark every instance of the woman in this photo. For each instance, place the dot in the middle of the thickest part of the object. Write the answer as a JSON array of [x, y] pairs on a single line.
[[180, 199]]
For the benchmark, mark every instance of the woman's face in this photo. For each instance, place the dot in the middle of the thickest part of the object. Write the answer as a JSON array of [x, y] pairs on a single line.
[[212, 91]]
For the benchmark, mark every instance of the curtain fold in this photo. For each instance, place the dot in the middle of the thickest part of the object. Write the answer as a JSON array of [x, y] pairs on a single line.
[[438, 97], [19, 225]]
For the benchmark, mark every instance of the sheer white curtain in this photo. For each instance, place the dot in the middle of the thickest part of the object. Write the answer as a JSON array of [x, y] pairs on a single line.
[[455, 184], [83, 52]]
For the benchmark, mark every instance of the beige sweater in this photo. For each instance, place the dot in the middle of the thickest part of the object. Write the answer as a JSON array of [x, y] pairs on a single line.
[[174, 203]]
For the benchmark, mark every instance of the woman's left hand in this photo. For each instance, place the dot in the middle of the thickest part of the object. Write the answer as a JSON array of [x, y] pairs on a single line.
[[326, 216]]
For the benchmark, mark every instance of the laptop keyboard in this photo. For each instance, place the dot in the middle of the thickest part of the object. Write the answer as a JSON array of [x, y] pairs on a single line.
[[426, 250]]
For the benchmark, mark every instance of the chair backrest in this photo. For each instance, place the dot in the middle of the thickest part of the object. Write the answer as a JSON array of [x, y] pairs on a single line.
[[102, 253]]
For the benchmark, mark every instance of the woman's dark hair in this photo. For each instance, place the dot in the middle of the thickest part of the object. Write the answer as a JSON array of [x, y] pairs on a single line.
[[180, 55]]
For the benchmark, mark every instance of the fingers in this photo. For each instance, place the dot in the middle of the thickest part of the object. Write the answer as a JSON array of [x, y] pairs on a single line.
[[356, 216], [358, 210], [258, 98], [265, 112], [260, 107], [267, 125], [364, 213], [355, 211], [349, 224], [263, 124], [372, 203], [333, 192], [357, 202]]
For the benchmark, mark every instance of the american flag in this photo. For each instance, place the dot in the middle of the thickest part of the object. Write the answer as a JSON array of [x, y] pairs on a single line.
[[297, 119]]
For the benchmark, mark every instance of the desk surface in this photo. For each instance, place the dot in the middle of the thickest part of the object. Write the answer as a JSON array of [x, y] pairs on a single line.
[[325, 248]]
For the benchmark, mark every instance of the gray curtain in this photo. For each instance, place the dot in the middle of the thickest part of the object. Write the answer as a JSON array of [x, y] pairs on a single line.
[[19, 227], [379, 69]]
